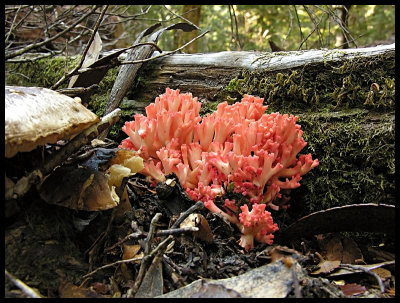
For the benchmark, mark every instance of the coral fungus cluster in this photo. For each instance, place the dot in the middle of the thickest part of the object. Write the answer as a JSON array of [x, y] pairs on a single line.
[[237, 147]]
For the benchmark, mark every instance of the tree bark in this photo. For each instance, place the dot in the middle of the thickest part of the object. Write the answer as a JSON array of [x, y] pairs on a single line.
[[206, 75], [345, 101]]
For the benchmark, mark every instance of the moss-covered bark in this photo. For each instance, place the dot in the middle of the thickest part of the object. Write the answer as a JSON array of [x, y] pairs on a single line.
[[346, 111], [345, 107]]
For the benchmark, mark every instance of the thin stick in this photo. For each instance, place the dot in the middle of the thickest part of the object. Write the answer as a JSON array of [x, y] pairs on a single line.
[[151, 233], [183, 18], [183, 216], [111, 264], [165, 53], [96, 27], [31, 293], [355, 267], [39, 44], [12, 24], [160, 233]]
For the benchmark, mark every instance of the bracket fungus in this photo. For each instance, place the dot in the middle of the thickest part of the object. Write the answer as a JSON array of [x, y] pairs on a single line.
[[37, 116]]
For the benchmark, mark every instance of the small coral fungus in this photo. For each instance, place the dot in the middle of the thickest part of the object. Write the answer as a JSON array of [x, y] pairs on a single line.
[[238, 147]]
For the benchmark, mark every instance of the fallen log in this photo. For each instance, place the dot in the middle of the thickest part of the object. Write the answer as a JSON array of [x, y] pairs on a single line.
[[208, 75]]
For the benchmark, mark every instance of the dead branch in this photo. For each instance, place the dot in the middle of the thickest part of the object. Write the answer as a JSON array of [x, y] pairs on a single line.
[[13, 54], [96, 27], [29, 292], [367, 271], [181, 17], [165, 53], [166, 232]]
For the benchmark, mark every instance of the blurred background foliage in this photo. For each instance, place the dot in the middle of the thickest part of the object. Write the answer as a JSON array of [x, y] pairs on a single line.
[[231, 27], [291, 27]]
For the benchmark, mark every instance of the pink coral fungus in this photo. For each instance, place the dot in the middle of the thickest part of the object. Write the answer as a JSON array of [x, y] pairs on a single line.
[[238, 146]]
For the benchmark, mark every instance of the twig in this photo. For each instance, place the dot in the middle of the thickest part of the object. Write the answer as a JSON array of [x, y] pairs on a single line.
[[19, 52], [111, 264], [12, 25], [355, 267], [290, 26], [151, 233], [183, 216], [160, 233], [316, 24], [46, 31], [96, 27], [148, 256], [31, 293], [298, 23], [74, 91], [37, 57], [146, 261], [183, 18], [66, 57], [235, 35], [165, 53]]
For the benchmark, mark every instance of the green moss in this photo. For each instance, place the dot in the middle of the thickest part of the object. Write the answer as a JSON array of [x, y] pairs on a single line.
[[98, 100], [208, 107], [356, 154], [43, 72], [346, 111], [314, 88]]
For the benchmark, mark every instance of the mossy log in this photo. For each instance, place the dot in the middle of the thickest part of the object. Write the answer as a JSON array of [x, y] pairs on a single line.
[[310, 76], [345, 101]]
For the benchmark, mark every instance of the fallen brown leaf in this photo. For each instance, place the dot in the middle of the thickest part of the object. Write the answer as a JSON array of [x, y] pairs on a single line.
[[353, 289]]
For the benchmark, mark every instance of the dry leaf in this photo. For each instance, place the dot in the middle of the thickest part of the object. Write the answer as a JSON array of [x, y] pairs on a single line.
[[334, 249], [197, 220], [325, 267], [353, 289], [351, 252], [91, 56], [383, 273], [69, 290], [100, 288], [78, 188], [130, 251], [152, 284]]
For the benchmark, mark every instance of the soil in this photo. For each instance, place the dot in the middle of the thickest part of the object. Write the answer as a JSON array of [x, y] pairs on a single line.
[[58, 251]]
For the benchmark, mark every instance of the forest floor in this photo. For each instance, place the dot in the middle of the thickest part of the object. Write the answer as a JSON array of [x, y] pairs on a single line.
[[59, 252]]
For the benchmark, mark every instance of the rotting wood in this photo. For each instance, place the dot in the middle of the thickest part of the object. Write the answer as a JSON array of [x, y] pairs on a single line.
[[206, 74]]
